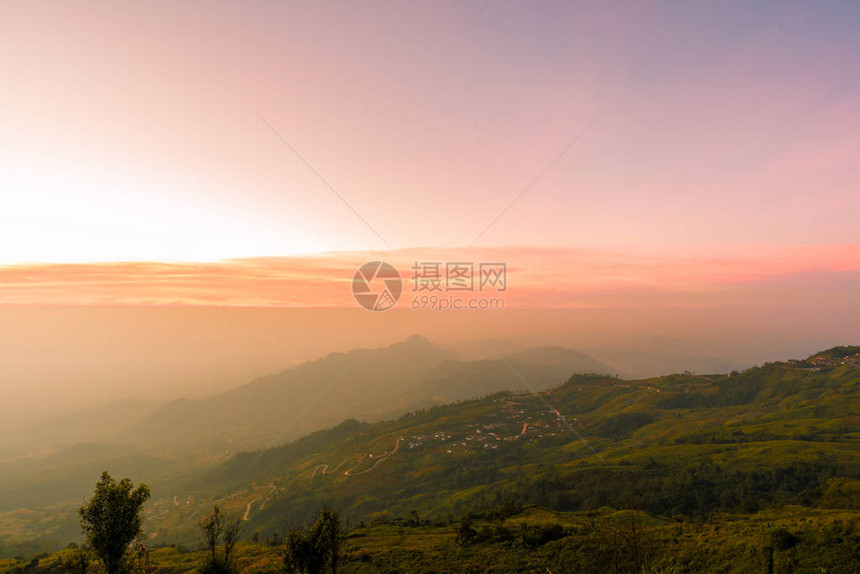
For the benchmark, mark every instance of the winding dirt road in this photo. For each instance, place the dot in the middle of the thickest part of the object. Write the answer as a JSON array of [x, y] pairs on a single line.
[[323, 468], [378, 461], [271, 488]]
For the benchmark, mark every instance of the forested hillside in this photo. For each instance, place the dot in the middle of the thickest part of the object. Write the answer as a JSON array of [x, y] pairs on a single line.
[[762, 464]]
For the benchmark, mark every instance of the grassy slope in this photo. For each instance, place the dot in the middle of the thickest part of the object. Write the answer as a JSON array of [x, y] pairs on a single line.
[[823, 541], [770, 417], [723, 460]]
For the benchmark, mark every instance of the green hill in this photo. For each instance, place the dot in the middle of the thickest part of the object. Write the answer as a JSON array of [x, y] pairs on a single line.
[[674, 446], [732, 471]]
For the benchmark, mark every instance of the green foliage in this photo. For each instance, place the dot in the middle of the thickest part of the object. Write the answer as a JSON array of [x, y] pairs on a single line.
[[536, 539], [839, 352], [841, 493], [316, 548], [622, 425], [782, 539], [465, 533], [212, 526], [216, 526], [77, 560], [723, 473], [112, 519], [680, 445]]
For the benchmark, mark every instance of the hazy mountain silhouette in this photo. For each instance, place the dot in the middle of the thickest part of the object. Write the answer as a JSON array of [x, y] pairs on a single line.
[[67, 473], [637, 363], [540, 368], [362, 384], [566, 359], [179, 435]]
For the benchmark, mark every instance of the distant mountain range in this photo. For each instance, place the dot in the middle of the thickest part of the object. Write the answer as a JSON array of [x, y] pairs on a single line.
[[635, 364], [584, 440], [779, 434], [365, 384], [169, 438]]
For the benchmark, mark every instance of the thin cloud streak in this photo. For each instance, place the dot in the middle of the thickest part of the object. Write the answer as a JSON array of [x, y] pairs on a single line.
[[537, 277]]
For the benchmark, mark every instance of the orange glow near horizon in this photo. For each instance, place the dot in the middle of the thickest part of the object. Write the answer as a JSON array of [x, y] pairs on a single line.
[[537, 277]]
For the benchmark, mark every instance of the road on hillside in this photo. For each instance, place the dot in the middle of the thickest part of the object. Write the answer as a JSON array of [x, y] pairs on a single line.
[[271, 486], [379, 460], [324, 468]]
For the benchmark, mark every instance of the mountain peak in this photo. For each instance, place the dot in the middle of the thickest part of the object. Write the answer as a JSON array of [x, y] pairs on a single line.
[[417, 339]]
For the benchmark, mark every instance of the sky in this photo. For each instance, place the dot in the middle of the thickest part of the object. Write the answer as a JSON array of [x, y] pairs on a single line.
[[142, 132], [674, 171]]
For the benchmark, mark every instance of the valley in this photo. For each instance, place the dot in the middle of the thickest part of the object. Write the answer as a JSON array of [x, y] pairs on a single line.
[[778, 438]]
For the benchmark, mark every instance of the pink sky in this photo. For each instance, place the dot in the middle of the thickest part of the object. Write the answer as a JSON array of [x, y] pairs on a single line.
[[129, 132]]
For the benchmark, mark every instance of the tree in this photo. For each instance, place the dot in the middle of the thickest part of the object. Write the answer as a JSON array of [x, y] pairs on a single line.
[[312, 549], [465, 533], [232, 530], [142, 558], [328, 531], [212, 526], [216, 525], [76, 560], [112, 519], [302, 553]]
